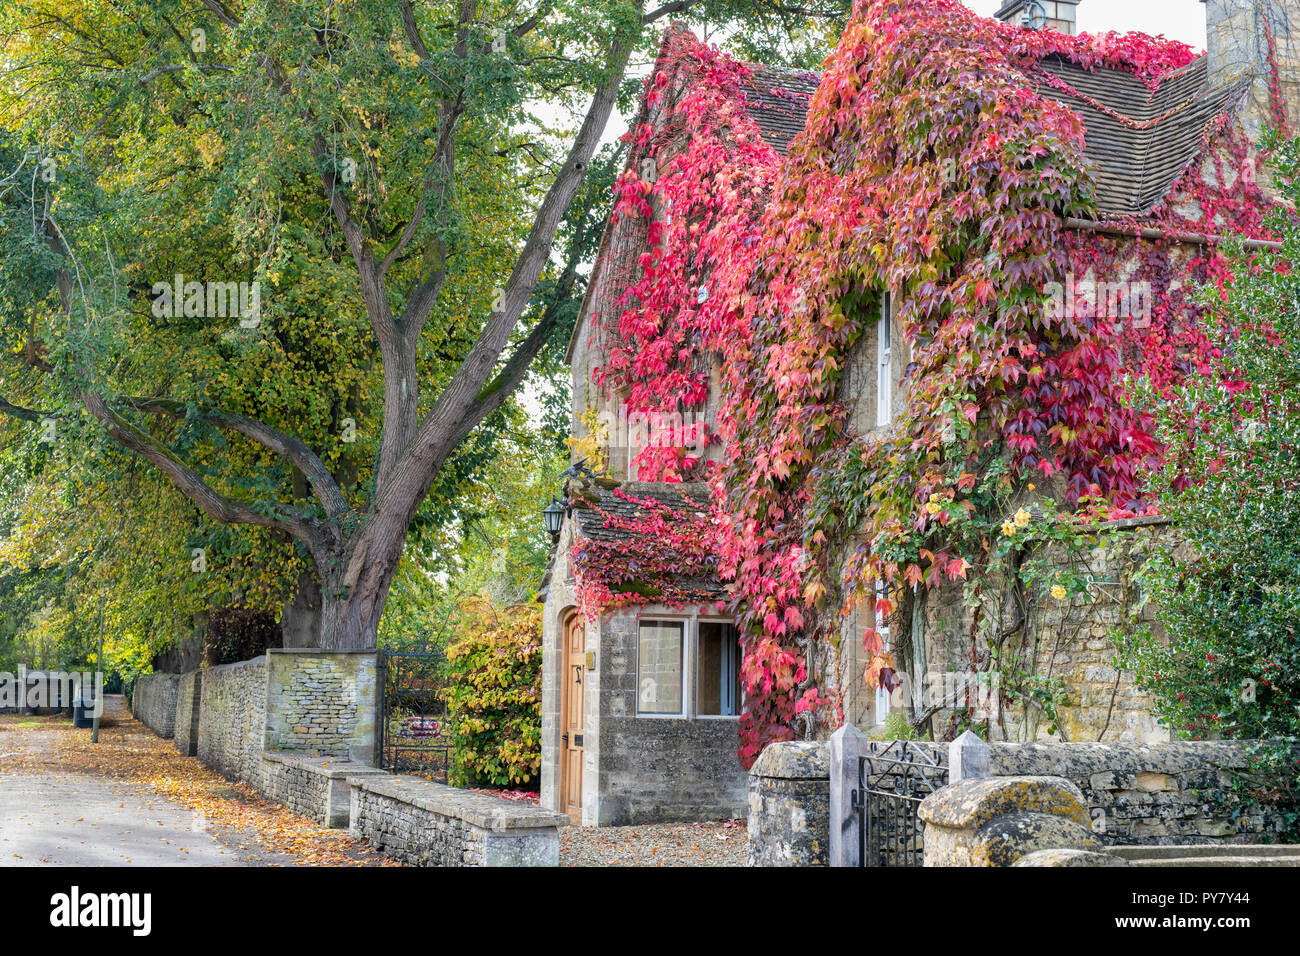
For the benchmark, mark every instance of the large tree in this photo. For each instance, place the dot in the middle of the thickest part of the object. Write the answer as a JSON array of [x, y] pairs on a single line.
[[412, 161]]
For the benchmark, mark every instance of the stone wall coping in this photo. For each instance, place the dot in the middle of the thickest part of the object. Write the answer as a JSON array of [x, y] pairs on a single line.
[[320, 651], [479, 809], [794, 760], [229, 668], [335, 768], [1188, 850], [1143, 521], [969, 804], [1084, 759]]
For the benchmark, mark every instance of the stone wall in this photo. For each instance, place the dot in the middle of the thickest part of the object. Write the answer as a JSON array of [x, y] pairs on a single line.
[[316, 787], [789, 806], [635, 769], [322, 702], [232, 720], [188, 701], [153, 702], [1162, 794], [1134, 795], [429, 824], [656, 769]]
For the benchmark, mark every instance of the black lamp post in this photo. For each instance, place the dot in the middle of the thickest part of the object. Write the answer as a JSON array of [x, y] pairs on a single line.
[[553, 518]]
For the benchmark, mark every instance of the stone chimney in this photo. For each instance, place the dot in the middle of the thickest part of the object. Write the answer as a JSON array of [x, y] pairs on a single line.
[[1247, 39], [1055, 15]]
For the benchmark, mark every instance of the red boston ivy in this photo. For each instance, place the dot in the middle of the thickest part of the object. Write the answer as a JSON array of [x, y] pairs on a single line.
[[933, 166]]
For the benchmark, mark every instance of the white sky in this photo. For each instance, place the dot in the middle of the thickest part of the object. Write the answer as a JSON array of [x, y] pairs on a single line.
[[1177, 19]]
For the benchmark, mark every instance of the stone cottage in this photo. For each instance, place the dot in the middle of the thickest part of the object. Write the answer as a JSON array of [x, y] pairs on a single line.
[[667, 667]]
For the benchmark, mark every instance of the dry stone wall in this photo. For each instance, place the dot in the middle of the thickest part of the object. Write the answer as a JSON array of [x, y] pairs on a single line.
[[1163, 794], [232, 720], [322, 702], [188, 700], [153, 702], [429, 824], [1170, 794]]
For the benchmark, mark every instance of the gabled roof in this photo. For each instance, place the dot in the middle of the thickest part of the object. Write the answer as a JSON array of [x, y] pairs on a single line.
[[603, 512], [595, 501], [1137, 140], [777, 101]]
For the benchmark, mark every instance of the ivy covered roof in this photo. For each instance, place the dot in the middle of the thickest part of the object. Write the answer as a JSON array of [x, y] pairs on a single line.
[[646, 542], [777, 100], [1138, 138]]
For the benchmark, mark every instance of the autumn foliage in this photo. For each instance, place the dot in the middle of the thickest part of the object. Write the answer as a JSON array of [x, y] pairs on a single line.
[[494, 694], [932, 166]]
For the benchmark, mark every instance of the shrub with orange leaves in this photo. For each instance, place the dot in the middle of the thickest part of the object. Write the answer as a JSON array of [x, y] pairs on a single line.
[[494, 694]]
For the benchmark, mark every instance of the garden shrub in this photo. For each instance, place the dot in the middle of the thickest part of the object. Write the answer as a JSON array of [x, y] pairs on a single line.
[[238, 634], [1228, 595], [494, 694]]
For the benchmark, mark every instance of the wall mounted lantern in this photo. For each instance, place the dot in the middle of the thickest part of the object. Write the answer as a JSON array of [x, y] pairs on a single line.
[[553, 518]]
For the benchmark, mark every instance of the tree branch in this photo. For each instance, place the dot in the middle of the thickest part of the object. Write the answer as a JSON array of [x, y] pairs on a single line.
[[18, 411], [214, 505], [677, 6], [296, 451]]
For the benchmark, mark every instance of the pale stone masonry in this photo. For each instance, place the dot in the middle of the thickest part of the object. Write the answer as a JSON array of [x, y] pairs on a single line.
[[188, 699], [1165, 794], [993, 821], [153, 702], [316, 787], [429, 824], [789, 806], [232, 720], [637, 768], [299, 726], [322, 702]]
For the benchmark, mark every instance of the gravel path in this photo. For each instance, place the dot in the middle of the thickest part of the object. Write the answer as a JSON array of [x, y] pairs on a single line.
[[655, 844]]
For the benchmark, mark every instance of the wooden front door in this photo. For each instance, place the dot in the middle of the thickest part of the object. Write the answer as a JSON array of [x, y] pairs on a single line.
[[573, 681]]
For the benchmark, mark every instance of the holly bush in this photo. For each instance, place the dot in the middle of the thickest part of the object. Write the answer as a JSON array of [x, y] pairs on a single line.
[[494, 694], [1228, 595]]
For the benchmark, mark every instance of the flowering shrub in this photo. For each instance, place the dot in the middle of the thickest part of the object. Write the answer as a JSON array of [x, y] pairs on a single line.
[[493, 694], [1228, 664], [931, 167]]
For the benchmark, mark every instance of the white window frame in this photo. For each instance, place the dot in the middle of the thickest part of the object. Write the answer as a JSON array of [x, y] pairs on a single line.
[[882, 628], [884, 366], [690, 666]]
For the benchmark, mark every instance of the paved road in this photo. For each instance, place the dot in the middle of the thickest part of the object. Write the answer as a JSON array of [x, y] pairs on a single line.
[[77, 820], [72, 819]]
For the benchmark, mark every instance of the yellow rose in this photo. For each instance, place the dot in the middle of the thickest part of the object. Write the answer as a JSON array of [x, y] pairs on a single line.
[[1058, 591], [1008, 528], [1022, 518]]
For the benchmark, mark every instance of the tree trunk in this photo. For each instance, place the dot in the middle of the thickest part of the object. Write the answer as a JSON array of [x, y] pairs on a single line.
[[300, 621]]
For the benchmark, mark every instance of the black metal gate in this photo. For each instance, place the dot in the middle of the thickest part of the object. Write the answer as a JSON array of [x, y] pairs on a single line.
[[893, 779], [414, 716]]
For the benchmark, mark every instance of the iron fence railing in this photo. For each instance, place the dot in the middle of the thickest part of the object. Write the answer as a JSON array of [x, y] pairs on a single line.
[[413, 715]]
